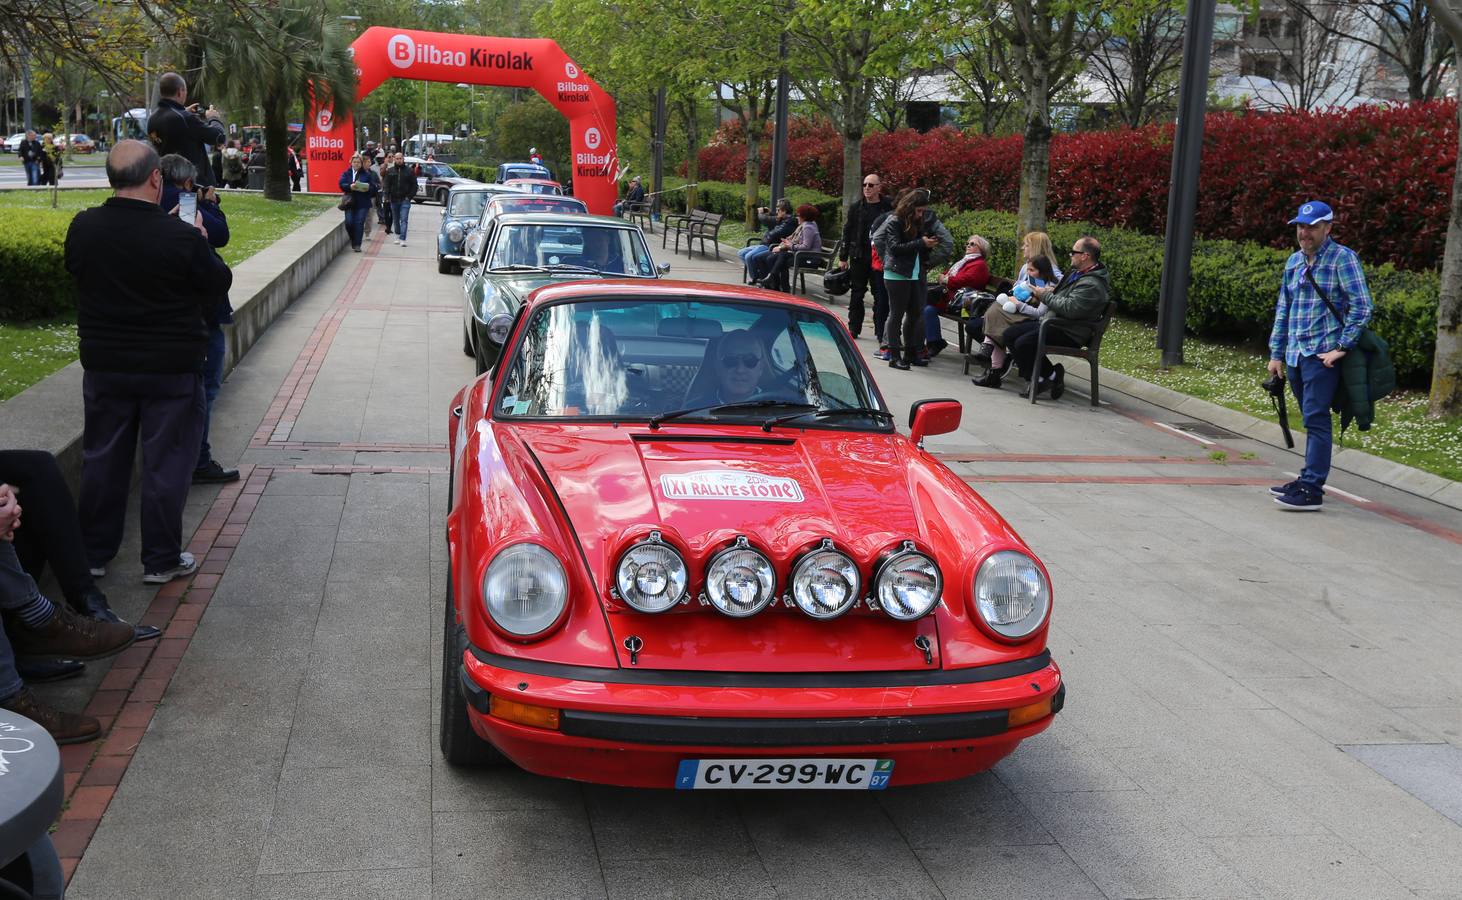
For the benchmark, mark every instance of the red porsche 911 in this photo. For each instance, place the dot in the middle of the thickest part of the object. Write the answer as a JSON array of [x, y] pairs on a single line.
[[690, 550]]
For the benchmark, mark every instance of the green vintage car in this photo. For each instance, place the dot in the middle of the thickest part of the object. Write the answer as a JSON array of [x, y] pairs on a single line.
[[523, 251]]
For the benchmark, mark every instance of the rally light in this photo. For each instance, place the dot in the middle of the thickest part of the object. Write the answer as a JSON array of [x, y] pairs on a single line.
[[908, 584], [651, 575], [740, 581], [825, 582], [526, 713]]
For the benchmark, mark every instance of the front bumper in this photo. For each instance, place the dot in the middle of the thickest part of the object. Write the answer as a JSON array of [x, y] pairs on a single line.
[[633, 728]]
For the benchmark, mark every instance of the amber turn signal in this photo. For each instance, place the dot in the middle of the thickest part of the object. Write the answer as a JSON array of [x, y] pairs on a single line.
[[1021, 715], [536, 716]]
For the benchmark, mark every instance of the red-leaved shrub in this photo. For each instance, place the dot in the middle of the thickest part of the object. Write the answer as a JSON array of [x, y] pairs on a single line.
[[1387, 171]]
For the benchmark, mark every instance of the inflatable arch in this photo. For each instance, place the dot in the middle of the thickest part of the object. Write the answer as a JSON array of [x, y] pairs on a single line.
[[536, 63]]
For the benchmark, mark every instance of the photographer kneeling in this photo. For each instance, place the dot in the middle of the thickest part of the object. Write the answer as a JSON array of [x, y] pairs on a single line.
[[177, 185]]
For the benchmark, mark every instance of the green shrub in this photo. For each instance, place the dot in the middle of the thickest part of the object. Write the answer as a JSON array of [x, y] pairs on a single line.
[[486, 174], [730, 200], [1234, 285], [34, 283]]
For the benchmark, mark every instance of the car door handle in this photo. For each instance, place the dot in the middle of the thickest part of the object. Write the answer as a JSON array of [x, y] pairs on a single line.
[[457, 412]]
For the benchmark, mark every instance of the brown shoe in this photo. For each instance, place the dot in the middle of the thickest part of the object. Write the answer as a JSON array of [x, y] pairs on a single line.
[[65, 727], [71, 636]]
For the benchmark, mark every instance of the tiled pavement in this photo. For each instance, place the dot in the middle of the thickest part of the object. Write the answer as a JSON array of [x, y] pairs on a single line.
[[279, 742]]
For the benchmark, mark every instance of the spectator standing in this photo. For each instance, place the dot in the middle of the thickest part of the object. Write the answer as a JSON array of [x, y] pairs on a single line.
[[1308, 340], [178, 176], [295, 169], [145, 281], [216, 161], [779, 228], [57, 153], [30, 156], [910, 242], [969, 273], [48, 159], [400, 187], [804, 237], [177, 127], [359, 184], [856, 252], [233, 166], [1080, 298]]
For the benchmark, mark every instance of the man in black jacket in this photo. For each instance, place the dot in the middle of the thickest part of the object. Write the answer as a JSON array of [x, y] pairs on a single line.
[[177, 128], [398, 184], [31, 152], [145, 281], [856, 254]]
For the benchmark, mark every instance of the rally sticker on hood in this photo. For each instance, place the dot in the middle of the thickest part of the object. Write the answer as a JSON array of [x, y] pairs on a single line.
[[730, 484]]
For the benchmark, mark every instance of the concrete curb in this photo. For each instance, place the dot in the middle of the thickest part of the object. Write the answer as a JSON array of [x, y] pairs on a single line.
[[48, 415], [1356, 462]]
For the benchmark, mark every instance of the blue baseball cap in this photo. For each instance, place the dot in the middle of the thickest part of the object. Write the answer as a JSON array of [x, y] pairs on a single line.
[[1312, 211]]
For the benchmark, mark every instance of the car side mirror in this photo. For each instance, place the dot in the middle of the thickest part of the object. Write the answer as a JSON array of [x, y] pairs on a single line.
[[664, 268], [928, 417]]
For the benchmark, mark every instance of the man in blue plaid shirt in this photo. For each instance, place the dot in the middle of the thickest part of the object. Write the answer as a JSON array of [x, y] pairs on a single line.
[[1308, 340]]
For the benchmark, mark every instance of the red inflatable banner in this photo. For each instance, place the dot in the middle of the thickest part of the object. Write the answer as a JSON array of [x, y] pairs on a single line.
[[536, 63]]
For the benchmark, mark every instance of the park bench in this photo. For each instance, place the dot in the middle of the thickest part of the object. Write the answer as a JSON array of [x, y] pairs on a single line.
[[696, 225], [1089, 351], [804, 261], [639, 213]]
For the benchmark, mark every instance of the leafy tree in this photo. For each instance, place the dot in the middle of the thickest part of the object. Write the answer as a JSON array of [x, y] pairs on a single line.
[[272, 57], [534, 123], [1446, 395], [977, 55]]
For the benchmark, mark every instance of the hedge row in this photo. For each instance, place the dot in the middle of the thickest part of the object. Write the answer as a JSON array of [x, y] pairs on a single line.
[[729, 199], [1387, 171], [485, 174], [34, 283], [1234, 284]]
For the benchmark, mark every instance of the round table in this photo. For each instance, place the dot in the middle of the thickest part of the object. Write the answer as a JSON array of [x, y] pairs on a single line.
[[30, 799]]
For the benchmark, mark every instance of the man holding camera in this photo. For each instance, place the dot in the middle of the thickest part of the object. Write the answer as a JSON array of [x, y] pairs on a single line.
[[145, 284], [1323, 307], [178, 128]]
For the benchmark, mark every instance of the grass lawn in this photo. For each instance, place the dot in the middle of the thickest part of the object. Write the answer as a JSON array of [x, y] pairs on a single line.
[[1230, 375], [32, 350]]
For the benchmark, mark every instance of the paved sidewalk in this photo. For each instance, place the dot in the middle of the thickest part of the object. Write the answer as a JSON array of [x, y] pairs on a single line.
[[1238, 677]]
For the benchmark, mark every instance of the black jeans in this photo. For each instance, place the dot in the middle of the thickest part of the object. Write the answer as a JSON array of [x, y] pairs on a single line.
[[167, 413], [49, 532], [905, 324], [859, 271], [1020, 341]]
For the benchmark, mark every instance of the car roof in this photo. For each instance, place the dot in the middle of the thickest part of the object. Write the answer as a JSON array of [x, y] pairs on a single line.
[[561, 218], [483, 188], [532, 181], [664, 290]]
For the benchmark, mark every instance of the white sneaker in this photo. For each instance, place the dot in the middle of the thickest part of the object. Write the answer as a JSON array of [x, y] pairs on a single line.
[[187, 565], [400, 243], [403, 243], [98, 571]]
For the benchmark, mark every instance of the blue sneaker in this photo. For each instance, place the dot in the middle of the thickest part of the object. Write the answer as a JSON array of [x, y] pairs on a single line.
[[883, 354], [1279, 490], [1302, 499]]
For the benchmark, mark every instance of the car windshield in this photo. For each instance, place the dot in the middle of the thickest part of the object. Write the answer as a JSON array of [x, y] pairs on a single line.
[[538, 204], [536, 187], [512, 172], [468, 203], [603, 249], [744, 362]]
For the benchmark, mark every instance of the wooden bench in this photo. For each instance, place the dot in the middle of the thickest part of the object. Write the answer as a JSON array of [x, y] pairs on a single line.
[[701, 226], [639, 213], [1088, 351], [804, 261]]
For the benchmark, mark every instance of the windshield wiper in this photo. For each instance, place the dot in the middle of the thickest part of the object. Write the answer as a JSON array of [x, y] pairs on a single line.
[[725, 407], [864, 411], [573, 267], [516, 267]]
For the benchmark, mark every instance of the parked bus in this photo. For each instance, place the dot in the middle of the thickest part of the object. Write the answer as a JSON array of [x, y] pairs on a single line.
[[130, 126]]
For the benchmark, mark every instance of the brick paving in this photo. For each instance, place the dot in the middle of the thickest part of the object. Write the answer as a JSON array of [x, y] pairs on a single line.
[[279, 741]]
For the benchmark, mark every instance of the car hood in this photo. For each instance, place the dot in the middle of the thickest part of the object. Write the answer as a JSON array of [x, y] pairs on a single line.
[[785, 492]]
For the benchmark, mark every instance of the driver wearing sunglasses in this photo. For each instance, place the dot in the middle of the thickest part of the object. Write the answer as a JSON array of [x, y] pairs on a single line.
[[740, 363]]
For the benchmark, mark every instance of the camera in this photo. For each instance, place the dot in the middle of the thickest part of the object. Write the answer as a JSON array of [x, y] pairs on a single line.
[[1274, 386]]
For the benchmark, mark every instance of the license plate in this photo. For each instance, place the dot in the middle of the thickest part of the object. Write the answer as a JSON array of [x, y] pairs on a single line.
[[784, 774]]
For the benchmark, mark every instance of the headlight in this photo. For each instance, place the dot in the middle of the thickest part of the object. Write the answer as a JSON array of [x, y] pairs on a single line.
[[651, 576], [740, 581], [498, 327], [825, 583], [908, 584], [524, 589], [1011, 593], [454, 232]]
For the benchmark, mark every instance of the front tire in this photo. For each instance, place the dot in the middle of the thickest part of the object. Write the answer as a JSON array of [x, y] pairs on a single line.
[[467, 343], [444, 267], [442, 197], [461, 746]]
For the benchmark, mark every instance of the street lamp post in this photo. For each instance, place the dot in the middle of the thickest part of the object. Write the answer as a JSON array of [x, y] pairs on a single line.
[[471, 102]]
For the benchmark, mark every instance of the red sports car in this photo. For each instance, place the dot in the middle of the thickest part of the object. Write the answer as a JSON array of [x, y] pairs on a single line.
[[689, 549]]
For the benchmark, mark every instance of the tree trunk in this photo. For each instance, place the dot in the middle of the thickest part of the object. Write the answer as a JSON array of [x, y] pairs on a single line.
[[852, 170], [276, 151], [1446, 395], [692, 150], [753, 175], [855, 120], [1035, 157]]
